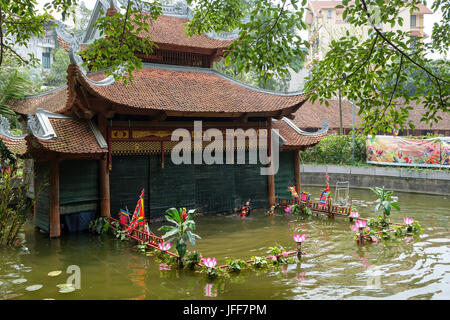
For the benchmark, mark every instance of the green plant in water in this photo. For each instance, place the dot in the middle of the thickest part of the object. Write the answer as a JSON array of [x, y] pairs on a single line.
[[385, 202], [259, 262], [14, 206], [99, 226], [236, 265], [182, 231], [192, 259], [142, 247]]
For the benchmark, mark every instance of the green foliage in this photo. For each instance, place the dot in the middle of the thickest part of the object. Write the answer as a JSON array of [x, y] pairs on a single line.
[[182, 231], [192, 259], [385, 202], [336, 149], [142, 247], [14, 206], [13, 87], [259, 262], [235, 265], [58, 70], [371, 72], [100, 225], [116, 50]]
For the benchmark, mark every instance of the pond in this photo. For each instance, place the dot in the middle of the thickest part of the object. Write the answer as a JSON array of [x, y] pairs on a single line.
[[334, 266]]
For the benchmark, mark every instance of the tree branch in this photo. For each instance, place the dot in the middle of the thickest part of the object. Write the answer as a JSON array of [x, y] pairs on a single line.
[[396, 48]]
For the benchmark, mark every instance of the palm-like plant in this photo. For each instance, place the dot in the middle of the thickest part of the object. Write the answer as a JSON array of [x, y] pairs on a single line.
[[12, 87], [182, 231], [385, 201]]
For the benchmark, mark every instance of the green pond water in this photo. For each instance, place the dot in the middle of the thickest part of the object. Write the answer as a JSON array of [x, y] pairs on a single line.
[[334, 266]]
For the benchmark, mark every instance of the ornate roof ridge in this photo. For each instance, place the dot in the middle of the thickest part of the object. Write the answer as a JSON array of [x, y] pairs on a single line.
[[319, 132], [110, 79]]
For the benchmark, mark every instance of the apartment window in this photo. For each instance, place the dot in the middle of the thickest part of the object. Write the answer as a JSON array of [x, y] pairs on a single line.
[[413, 20], [330, 14], [46, 60]]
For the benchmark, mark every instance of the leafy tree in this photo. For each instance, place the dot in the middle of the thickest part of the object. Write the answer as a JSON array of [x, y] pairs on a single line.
[[58, 71], [13, 86]]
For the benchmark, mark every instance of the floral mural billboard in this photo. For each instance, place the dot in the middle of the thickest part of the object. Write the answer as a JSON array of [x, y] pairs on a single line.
[[398, 151]]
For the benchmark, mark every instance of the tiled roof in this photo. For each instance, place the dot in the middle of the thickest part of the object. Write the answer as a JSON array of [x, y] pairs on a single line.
[[167, 30], [312, 115], [170, 30], [73, 136], [186, 89], [293, 138], [53, 101], [15, 146]]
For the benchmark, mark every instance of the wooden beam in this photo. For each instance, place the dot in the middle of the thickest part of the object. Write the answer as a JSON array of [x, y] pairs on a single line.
[[297, 171], [161, 116], [103, 174], [55, 224]]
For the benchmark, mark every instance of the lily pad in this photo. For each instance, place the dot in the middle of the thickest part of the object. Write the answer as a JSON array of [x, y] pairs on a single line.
[[18, 281], [34, 287], [67, 290], [65, 286], [54, 273]]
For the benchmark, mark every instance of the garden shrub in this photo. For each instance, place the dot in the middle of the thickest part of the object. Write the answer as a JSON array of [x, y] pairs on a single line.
[[335, 149]]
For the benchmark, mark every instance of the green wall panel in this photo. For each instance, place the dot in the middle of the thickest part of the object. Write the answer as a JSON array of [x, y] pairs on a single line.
[[171, 186], [78, 185], [42, 172], [285, 176], [129, 175]]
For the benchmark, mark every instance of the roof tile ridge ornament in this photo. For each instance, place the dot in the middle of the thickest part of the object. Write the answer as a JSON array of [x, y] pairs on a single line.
[[97, 134], [40, 126], [5, 130], [322, 131]]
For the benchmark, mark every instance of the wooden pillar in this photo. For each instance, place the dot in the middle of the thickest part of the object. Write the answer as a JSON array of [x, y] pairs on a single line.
[[270, 176], [297, 171], [103, 173], [55, 224]]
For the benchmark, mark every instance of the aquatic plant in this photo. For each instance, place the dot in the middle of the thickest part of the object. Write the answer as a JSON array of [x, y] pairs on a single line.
[[259, 262], [191, 259], [14, 206], [99, 225], [385, 202], [235, 265], [182, 232]]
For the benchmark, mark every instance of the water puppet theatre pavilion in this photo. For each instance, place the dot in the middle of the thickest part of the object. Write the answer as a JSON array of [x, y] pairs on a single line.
[[98, 143]]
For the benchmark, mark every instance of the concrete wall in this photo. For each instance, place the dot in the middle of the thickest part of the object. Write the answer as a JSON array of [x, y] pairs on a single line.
[[398, 179]]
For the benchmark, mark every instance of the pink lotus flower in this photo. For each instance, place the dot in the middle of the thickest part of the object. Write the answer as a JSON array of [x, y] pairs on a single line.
[[354, 227], [374, 239], [285, 254], [354, 214], [288, 209], [210, 263], [274, 258], [360, 223], [367, 229], [164, 246], [299, 237], [408, 221]]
